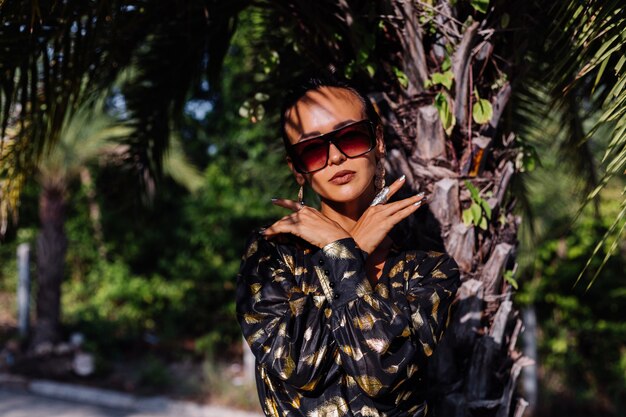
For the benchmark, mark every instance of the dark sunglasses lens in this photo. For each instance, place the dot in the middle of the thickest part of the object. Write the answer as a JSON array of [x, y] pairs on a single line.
[[355, 140], [312, 154]]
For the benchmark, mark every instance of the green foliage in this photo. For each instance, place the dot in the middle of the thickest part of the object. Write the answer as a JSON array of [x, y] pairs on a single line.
[[448, 120], [479, 212], [480, 5], [582, 339], [482, 111]]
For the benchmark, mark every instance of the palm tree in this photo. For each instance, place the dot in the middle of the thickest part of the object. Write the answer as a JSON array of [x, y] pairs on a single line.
[[442, 73], [90, 135]]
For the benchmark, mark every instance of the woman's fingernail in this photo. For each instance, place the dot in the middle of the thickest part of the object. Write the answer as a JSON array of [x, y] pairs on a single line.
[[420, 194], [418, 203], [274, 199], [402, 178]]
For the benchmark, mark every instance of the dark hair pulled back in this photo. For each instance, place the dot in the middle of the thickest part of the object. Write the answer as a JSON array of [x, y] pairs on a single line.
[[310, 82]]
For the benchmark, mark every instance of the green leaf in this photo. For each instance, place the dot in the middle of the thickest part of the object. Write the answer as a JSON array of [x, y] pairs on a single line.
[[482, 111], [401, 76], [446, 64], [508, 277], [486, 208], [445, 114], [444, 79], [477, 214], [480, 5], [505, 20], [473, 190], [370, 70], [467, 217], [483, 223]]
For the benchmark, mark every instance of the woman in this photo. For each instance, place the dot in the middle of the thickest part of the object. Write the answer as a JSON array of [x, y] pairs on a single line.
[[340, 318]]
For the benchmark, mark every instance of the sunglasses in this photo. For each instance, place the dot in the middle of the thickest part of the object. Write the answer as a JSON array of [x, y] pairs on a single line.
[[352, 140]]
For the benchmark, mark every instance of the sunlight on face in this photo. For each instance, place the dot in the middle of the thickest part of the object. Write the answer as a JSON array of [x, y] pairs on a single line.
[[318, 112]]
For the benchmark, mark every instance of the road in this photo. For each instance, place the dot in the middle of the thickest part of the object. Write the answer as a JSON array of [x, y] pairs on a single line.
[[19, 403]]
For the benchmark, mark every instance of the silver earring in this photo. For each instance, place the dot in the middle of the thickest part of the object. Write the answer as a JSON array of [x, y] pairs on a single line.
[[301, 195], [379, 179]]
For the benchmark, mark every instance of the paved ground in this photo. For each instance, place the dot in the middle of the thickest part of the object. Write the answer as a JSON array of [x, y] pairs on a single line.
[[19, 403]]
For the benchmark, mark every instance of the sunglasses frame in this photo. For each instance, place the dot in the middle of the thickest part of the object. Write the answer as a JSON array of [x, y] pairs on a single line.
[[329, 138]]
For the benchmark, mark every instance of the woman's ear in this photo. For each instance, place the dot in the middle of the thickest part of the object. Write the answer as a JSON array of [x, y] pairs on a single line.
[[299, 177]]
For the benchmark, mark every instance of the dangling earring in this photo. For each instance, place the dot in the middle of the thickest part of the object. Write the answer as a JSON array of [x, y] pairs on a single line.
[[379, 179], [301, 195]]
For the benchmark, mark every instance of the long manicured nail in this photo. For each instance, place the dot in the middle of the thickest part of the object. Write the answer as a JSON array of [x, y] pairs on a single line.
[[418, 203], [420, 194], [274, 199], [402, 178]]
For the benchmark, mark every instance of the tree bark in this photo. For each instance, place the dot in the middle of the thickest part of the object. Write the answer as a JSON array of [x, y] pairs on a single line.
[[51, 250]]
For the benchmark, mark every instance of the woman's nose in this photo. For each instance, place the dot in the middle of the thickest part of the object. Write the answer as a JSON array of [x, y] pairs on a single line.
[[335, 156]]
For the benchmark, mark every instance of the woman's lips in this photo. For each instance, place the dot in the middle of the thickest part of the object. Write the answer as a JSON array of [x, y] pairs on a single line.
[[342, 177]]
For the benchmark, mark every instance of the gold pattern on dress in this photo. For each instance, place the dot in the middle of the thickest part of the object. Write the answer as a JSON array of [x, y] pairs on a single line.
[[307, 334], [434, 299], [336, 250], [318, 300], [383, 291], [253, 318], [438, 274], [377, 344], [252, 249], [427, 349], [309, 288], [270, 407], [288, 367], [365, 321], [411, 369], [297, 306], [372, 301], [334, 407], [350, 382], [396, 269], [410, 256], [328, 292], [282, 330], [418, 320], [295, 402], [370, 384], [328, 312], [393, 369], [300, 270], [255, 336], [310, 386], [316, 358], [363, 288], [288, 259], [367, 411], [255, 290], [348, 274], [354, 352]]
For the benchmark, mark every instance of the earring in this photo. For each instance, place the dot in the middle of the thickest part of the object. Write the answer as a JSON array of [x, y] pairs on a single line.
[[379, 179], [301, 195]]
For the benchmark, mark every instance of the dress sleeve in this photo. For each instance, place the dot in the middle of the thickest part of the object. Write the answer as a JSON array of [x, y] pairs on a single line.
[[379, 344], [284, 326]]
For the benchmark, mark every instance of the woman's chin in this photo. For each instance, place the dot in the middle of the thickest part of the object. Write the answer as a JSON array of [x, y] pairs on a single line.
[[345, 195]]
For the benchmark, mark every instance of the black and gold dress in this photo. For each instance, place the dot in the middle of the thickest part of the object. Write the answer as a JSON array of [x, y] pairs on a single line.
[[328, 344]]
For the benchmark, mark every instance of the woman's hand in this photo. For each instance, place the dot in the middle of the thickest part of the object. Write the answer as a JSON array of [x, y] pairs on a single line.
[[377, 221], [306, 223]]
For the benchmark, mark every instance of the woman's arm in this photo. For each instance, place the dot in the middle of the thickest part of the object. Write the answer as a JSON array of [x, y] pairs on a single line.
[[284, 326], [380, 344]]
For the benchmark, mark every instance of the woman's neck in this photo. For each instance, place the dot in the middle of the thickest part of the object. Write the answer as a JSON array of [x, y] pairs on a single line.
[[347, 214]]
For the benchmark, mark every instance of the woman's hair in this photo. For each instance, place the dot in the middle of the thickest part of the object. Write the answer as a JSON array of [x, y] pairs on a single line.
[[314, 82]]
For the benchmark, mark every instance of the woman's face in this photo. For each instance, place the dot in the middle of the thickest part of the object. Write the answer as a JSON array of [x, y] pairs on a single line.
[[321, 111]]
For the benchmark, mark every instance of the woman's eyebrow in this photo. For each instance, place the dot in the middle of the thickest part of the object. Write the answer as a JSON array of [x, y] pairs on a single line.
[[315, 133]]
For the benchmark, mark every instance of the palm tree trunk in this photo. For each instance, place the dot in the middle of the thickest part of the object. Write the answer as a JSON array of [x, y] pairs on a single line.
[[476, 367], [51, 250]]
